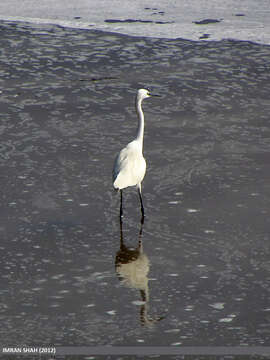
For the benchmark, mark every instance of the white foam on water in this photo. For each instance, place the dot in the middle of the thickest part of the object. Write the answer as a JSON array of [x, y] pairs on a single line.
[[234, 19]]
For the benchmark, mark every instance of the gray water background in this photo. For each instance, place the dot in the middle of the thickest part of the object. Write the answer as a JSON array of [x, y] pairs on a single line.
[[66, 109]]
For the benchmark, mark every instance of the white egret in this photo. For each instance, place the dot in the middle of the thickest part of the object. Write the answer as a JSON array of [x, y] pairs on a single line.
[[130, 166]]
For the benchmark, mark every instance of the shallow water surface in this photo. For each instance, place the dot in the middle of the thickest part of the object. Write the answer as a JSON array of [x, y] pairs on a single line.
[[197, 272]]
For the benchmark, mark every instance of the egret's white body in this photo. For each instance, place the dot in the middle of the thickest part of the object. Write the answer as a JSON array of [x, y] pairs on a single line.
[[130, 166]]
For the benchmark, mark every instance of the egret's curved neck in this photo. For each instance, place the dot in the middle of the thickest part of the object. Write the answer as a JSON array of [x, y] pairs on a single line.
[[140, 129]]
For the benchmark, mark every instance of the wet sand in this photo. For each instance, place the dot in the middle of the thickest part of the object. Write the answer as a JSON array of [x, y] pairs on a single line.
[[66, 107]]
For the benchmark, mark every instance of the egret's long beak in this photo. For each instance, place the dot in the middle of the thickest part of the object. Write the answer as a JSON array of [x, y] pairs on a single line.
[[156, 95]]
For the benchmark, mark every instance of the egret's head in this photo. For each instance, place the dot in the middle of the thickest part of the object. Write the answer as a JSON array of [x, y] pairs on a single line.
[[143, 94]]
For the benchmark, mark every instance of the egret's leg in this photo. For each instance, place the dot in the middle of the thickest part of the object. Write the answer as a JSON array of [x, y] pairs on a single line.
[[141, 201], [140, 243], [121, 203], [121, 233]]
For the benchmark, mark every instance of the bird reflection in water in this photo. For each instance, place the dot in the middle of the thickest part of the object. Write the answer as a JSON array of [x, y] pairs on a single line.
[[132, 267]]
